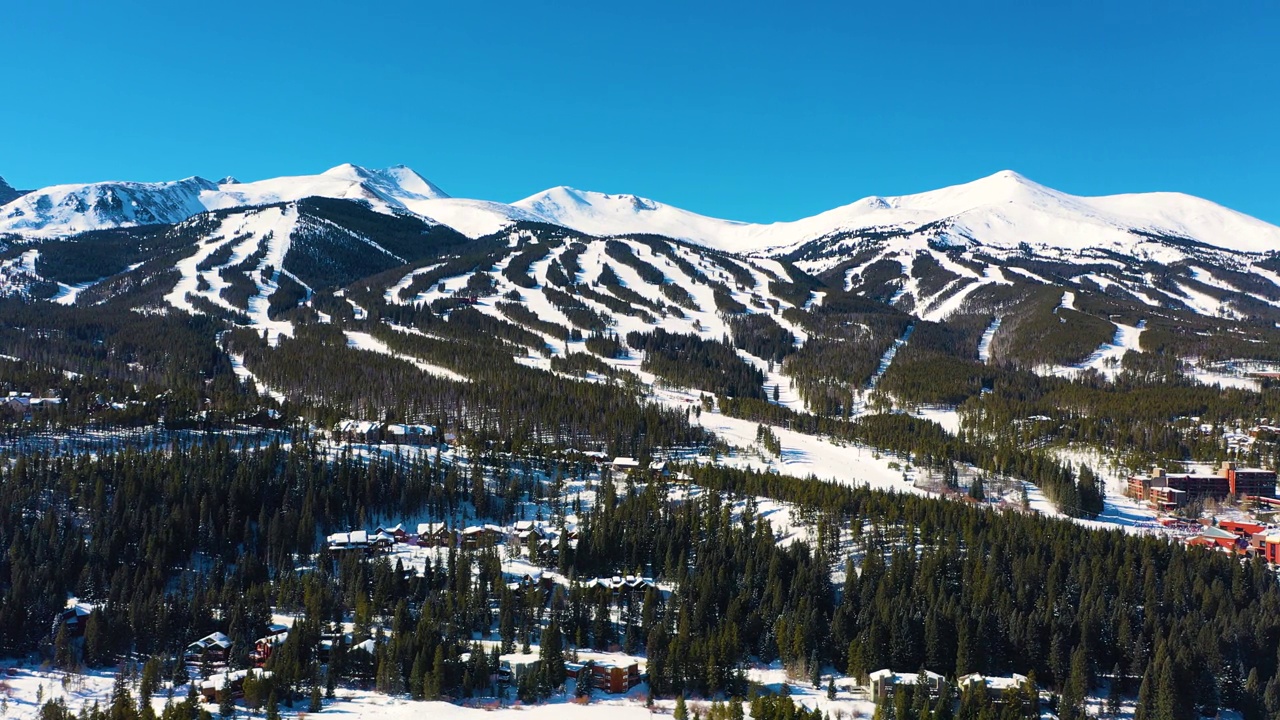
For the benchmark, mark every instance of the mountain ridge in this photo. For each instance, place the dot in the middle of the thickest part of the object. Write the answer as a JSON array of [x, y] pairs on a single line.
[[1004, 210]]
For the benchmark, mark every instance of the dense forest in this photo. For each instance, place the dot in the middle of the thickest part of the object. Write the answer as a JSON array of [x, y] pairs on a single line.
[[173, 544]]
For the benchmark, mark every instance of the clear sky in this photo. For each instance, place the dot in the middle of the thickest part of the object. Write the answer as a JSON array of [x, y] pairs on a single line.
[[752, 111]]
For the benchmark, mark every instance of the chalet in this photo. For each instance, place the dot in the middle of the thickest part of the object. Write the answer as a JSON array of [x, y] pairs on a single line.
[[623, 465], [381, 540], [436, 535], [265, 645], [530, 580], [606, 676], [402, 434], [211, 648], [347, 541], [883, 683], [232, 682], [523, 530], [478, 536], [397, 532], [359, 431], [73, 619]]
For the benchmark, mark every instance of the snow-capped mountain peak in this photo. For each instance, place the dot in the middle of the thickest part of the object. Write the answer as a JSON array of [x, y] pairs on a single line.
[[69, 209], [1003, 212]]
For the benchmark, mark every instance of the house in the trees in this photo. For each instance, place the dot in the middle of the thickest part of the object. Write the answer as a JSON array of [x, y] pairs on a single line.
[[397, 532], [436, 535], [264, 646], [349, 541], [623, 465], [884, 683], [381, 540], [211, 648], [73, 619], [359, 431], [478, 536], [402, 434]]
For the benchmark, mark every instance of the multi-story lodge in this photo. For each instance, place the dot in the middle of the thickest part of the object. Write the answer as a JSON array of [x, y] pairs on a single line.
[[1166, 491]]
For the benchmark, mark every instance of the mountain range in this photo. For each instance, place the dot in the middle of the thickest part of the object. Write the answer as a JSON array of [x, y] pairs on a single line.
[[998, 271], [1002, 210]]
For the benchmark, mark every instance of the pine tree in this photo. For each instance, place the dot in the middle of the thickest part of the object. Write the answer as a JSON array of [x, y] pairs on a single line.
[[551, 654], [682, 710], [226, 700], [1145, 709], [1167, 705]]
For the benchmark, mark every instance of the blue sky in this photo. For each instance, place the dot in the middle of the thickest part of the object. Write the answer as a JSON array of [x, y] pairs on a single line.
[[753, 111]]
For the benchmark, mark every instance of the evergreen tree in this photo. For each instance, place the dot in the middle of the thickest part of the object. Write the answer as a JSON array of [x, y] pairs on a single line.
[[551, 653]]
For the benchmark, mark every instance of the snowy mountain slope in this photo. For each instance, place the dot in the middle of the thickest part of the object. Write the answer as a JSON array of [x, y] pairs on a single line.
[[1002, 211], [65, 210], [71, 209], [8, 193]]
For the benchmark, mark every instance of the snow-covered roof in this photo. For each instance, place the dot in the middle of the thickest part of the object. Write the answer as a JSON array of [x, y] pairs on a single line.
[[995, 683], [355, 537], [215, 639]]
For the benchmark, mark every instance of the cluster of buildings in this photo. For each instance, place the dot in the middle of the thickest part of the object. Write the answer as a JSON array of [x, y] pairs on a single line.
[[25, 405], [1241, 538], [1168, 491], [884, 683], [613, 676], [367, 431], [525, 533]]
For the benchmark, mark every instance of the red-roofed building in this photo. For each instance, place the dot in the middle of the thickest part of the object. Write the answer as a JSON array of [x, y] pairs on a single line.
[[1243, 529]]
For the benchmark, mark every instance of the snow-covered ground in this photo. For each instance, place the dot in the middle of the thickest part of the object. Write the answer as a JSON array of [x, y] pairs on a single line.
[[1107, 358], [365, 341], [984, 344]]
